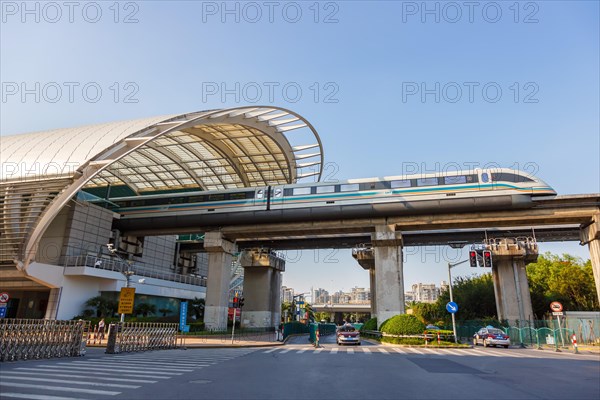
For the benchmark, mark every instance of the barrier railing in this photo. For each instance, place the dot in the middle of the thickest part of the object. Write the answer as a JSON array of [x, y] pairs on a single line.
[[24, 339], [141, 336]]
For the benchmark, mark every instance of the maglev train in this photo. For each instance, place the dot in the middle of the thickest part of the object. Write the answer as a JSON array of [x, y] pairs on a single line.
[[455, 191]]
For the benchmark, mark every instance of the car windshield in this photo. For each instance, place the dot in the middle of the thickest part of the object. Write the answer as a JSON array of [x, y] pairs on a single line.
[[347, 328], [495, 331]]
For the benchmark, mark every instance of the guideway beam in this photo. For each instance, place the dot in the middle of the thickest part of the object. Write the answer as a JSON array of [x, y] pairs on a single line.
[[511, 288], [389, 274], [262, 288], [220, 256]]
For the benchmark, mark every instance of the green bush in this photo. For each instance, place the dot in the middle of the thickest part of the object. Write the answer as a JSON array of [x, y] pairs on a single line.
[[370, 325], [406, 341], [404, 324]]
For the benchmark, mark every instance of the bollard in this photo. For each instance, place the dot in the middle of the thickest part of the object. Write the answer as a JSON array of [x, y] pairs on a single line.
[[574, 340], [439, 339]]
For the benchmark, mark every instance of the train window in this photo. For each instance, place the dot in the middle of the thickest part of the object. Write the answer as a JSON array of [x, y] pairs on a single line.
[[485, 177], [349, 187], [260, 194], [277, 192], [507, 177], [325, 189], [455, 180], [427, 182], [216, 197], [196, 199], [237, 196], [301, 191], [400, 184]]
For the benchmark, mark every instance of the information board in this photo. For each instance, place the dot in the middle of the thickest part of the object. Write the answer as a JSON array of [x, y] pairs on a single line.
[[126, 300]]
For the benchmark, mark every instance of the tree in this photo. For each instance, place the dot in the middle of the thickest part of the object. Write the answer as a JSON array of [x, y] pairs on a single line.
[[428, 313], [197, 307], [144, 309], [164, 311], [287, 306], [474, 296], [102, 306], [566, 279]]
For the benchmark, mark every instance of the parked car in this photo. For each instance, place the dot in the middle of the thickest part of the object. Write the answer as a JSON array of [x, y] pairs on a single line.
[[490, 336], [347, 334]]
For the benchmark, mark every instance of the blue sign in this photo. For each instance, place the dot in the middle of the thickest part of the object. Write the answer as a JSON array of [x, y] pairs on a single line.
[[452, 307], [2, 312], [183, 315]]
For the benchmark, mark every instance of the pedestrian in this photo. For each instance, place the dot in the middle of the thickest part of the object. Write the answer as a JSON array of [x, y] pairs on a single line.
[[101, 325]]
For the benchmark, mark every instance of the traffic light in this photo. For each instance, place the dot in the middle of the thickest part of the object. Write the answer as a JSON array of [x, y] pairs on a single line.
[[473, 258], [241, 302], [235, 302], [487, 259]]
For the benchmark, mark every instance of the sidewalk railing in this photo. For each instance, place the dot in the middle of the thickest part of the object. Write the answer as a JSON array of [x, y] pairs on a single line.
[[24, 339], [112, 264], [141, 336]]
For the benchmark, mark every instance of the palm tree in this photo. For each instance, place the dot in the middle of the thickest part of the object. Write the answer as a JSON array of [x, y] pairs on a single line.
[[197, 306], [144, 309], [104, 307]]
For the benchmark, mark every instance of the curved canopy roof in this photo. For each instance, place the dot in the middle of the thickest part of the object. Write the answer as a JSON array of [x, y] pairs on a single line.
[[218, 149]]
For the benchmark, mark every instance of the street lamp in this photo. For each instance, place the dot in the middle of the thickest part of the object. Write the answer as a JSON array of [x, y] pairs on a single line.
[[127, 273], [450, 266]]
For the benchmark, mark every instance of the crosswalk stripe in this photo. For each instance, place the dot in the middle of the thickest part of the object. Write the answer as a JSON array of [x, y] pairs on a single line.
[[178, 364], [366, 350], [428, 351], [413, 350], [506, 354], [320, 349], [60, 369], [350, 351], [94, 363], [78, 368], [301, 351], [397, 350], [384, 351], [271, 350], [103, 384], [334, 350], [37, 396], [60, 389], [285, 351], [100, 378]]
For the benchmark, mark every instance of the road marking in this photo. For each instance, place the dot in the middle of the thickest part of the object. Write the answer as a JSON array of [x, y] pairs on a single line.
[[142, 363], [429, 351], [350, 351], [285, 351], [397, 350], [384, 351], [103, 364], [334, 350], [78, 376], [37, 396], [60, 369], [116, 385], [301, 351], [60, 389], [504, 354], [271, 350], [367, 351], [453, 352], [78, 368], [320, 349]]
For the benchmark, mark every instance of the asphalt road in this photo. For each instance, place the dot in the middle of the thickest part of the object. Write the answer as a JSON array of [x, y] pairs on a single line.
[[299, 371]]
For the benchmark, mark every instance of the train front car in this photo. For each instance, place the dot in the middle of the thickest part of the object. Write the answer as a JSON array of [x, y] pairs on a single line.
[[519, 181]]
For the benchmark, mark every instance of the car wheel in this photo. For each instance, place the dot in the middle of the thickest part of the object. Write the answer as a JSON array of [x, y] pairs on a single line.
[[358, 344], [506, 346]]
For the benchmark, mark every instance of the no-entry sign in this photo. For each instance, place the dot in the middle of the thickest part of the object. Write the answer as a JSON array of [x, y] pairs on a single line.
[[4, 297], [555, 306]]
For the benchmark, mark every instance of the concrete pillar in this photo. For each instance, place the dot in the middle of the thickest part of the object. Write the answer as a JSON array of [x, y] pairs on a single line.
[[511, 288], [373, 288], [365, 256], [220, 257], [53, 303], [590, 235], [389, 276], [262, 288]]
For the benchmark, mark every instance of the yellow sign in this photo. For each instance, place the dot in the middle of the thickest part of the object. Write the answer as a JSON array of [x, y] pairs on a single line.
[[126, 300]]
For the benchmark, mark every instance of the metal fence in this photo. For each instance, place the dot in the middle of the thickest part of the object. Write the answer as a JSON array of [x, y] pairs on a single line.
[[240, 335], [24, 339], [111, 264], [141, 336]]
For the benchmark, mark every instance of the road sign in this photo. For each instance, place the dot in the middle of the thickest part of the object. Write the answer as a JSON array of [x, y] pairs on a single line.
[[557, 313], [2, 312], [555, 306], [126, 300], [4, 297], [452, 307], [183, 309]]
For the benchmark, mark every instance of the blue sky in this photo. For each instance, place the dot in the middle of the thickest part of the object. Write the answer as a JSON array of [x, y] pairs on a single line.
[[399, 87]]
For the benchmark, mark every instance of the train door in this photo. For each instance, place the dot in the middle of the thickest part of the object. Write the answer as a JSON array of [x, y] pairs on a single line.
[[276, 193], [260, 197]]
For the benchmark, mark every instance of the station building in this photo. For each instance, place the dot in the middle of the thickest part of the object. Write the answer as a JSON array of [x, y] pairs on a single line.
[[56, 189]]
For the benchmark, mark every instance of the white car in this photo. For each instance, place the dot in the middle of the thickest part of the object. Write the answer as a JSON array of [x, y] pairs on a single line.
[[347, 334], [490, 336]]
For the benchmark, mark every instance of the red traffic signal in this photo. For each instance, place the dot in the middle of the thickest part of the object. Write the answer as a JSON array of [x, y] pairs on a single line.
[[473, 258], [235, 302], [487, 259]]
